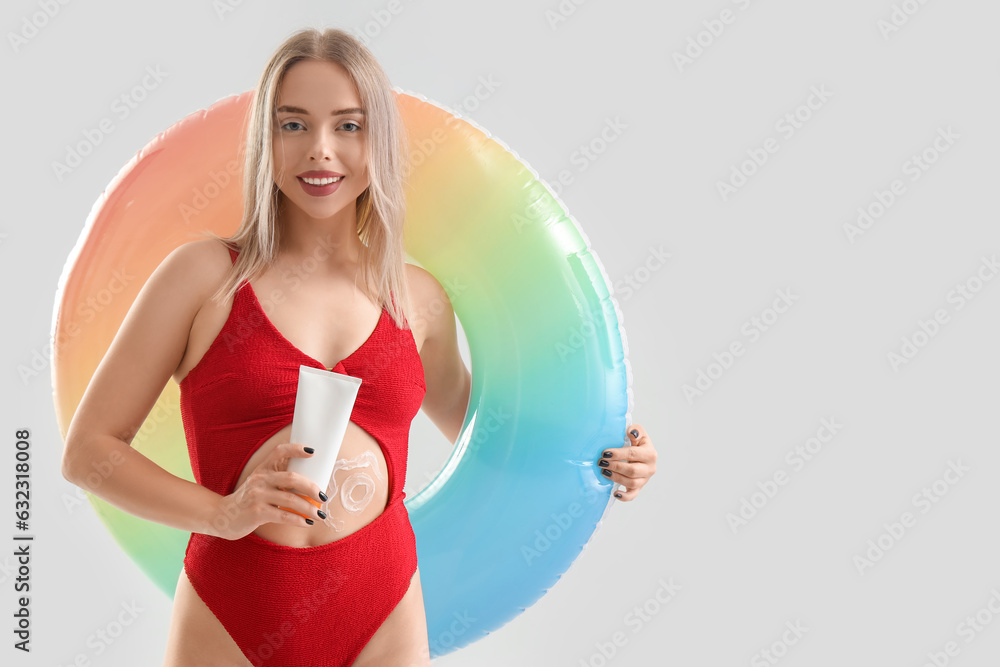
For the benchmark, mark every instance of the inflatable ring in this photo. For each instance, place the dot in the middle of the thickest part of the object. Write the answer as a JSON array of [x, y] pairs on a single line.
[[521, 494]]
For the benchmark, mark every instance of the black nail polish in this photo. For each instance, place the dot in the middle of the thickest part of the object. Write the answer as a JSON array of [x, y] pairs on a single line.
[[309, 450], [618, 495], [603, 463], [606, 455], [321, 513], [607, 473], [310, 521], [322, 496], [635, 434]]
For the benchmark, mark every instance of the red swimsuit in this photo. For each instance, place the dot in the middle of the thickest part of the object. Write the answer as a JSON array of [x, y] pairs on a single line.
[[283, 605]]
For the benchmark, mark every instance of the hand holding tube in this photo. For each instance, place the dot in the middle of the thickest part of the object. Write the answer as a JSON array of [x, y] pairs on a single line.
[[264, 496]]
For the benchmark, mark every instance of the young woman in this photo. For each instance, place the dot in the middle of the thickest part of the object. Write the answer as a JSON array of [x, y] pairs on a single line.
[[270, 576]]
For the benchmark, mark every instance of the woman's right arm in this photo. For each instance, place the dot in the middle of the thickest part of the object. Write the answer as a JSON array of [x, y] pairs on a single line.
[[144, 354], [142, 357]]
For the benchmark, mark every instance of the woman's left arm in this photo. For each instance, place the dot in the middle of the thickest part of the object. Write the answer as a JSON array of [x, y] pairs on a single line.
[[448, 381], [449, 384]]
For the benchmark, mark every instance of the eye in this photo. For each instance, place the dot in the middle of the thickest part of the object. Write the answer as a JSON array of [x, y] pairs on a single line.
[[291, 122], [351, 122]]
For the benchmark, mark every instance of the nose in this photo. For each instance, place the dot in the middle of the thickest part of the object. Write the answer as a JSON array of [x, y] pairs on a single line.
[[322, 145]]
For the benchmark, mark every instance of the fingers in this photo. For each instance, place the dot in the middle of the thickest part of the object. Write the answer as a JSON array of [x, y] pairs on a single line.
[[297, 482], [641, 450], [642, 447], [633, 476], [279, 464], [299, 510], [630, 466], [276, 503], [626, 493], [284, 496], [287, 450]]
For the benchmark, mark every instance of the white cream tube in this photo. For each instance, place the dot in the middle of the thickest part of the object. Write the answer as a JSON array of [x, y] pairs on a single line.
[[323, 405]]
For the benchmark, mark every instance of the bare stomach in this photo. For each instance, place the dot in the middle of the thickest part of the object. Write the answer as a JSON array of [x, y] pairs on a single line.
[[357, 492]]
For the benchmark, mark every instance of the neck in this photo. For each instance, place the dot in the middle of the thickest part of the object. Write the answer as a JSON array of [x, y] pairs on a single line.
[[332, 243]]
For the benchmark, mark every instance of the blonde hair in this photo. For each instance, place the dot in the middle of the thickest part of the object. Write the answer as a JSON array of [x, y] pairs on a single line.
[[380, 208]]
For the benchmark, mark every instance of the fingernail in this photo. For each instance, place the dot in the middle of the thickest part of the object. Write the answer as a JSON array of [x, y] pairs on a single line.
[[309, 450], [618, 495], [310, 521], [603, 463], [606, 472], [606, 455], [635, 433], [321, 513], [322, 496]]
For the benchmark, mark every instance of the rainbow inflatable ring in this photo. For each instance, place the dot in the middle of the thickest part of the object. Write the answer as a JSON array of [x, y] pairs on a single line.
[[521, 495]]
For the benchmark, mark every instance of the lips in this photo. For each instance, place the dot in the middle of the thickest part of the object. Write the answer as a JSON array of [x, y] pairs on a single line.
[[320, 183]]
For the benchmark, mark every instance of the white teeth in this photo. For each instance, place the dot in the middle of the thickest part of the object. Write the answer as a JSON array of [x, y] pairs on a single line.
[[321, 181]]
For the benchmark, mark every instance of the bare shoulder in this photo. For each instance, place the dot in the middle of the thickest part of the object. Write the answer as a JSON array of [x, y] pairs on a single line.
[[432, 315], [423, 286], [204, 262], [428, 297], [192, 272]]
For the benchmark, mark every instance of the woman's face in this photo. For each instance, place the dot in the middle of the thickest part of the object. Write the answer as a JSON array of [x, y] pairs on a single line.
[[319, 135]]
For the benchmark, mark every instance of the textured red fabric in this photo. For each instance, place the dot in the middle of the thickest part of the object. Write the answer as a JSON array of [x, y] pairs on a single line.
[[284, 605]]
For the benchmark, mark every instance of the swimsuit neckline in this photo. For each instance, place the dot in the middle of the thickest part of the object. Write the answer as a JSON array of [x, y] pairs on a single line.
[[290, 345]]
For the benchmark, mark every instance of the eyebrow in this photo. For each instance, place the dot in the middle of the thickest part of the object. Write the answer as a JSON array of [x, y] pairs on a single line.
[[300, 110]]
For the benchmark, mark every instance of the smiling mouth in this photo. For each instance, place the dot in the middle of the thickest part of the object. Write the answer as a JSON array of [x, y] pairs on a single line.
[[320, 186]]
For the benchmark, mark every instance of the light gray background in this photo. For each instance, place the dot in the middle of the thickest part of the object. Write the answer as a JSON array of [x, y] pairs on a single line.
[[654, 186]]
